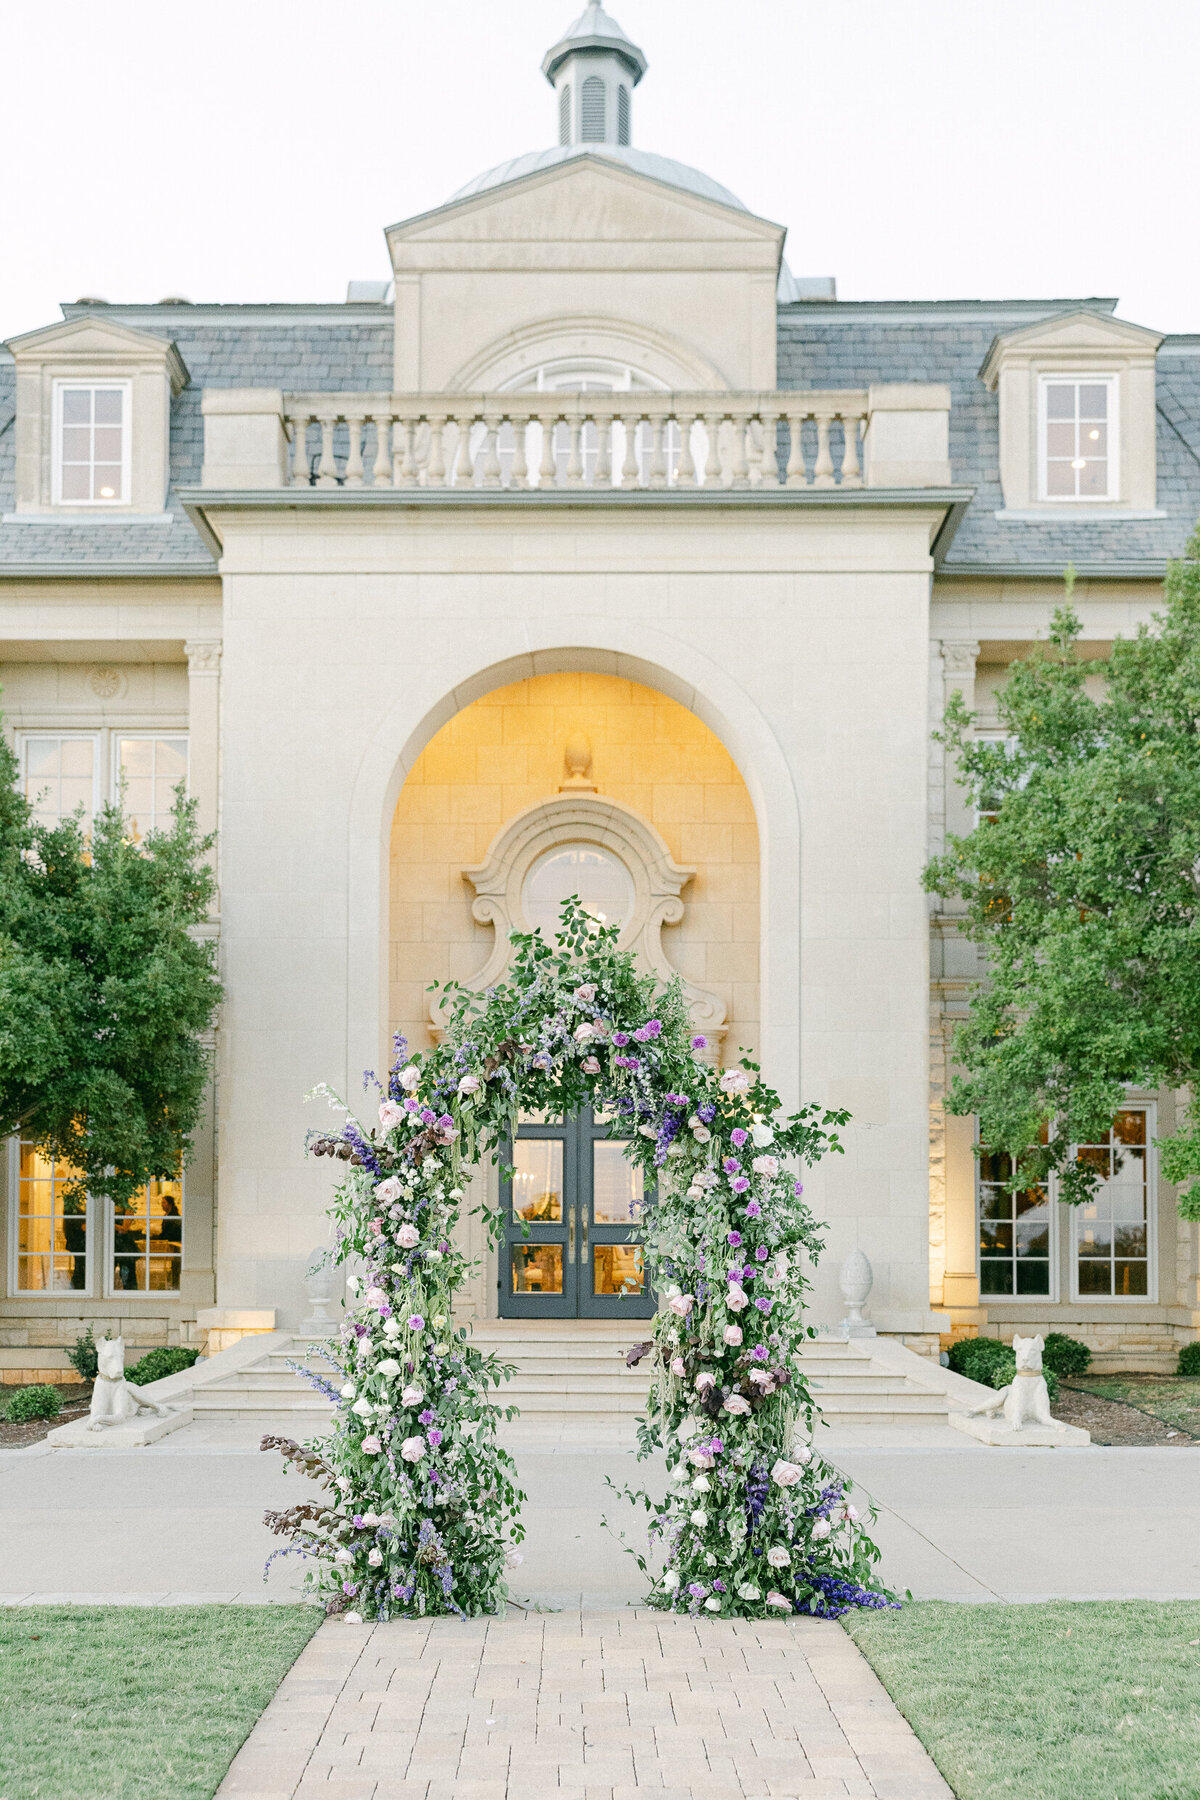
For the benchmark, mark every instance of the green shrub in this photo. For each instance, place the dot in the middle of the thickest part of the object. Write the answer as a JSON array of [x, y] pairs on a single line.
[[82, 1356], [973, 1357], [1065, 1355], [1189, 1359], [40, 1402], [169, 1359]]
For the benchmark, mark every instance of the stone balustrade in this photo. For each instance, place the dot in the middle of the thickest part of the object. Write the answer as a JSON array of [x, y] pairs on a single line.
[[890, 435], [576, 440]]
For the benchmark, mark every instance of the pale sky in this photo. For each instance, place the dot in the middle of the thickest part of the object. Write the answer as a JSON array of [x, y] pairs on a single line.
[[255, 149]]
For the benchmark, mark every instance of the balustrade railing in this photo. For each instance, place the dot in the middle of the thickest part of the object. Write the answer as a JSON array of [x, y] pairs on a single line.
[[600, 440]]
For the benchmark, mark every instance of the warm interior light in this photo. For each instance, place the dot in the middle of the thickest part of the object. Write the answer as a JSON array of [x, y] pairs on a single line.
[[1080, 462], [1093, 435], [108, 493]]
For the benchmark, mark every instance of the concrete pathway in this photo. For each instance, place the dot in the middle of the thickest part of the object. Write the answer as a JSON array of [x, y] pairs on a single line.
[[593, 1706]]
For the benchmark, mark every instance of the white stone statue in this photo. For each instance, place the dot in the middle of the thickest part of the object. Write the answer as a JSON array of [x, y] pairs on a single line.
[[114, 1401], [1024, 1407]]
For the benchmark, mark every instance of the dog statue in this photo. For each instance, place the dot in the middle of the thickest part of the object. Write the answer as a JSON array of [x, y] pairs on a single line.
[[114, 1402], [1026, 1400]]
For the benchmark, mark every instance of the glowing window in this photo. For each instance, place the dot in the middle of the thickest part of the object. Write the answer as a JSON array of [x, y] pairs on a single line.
[[602, 882], [92, 444]]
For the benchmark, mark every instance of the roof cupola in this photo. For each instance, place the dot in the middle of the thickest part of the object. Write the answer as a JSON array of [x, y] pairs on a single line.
[[594, 69]]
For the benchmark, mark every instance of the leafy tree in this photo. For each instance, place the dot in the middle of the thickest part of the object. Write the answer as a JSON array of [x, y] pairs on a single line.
[[1083, 887], [106, 990]]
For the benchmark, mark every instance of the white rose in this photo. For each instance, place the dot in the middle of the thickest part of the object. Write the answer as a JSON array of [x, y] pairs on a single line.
[[699, 1518], [349, 1391], [765, 1165], [733, 1335], [412, 1396], [469, 1084], [352, 1618], [736, 1299], [370, 1520], [695, 1193], [778, 1557], [388, 1192], [363, 1408], [736, 1081], [748, 1591], [408, 1237], [700, 1484], [389, 1366], [413, 1449], [710, 1560], [513, 1559], [344, 1556], [676, 1150], [344, 1483], [762, 1135], [821, 1529], [786, 1474], [392, 1328], [702, 1134], [375, 1557], [433, 1256], [802, 1454], [738, 1405], [670, 1581], [352, 1284], [712, 1604], [410, 1078]]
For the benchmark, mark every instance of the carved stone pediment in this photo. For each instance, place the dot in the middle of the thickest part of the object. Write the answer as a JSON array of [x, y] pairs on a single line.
[[658, 883]]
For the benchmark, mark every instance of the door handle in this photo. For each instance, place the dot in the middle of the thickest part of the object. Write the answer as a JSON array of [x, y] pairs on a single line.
[[570, 1234], [584, 1248]]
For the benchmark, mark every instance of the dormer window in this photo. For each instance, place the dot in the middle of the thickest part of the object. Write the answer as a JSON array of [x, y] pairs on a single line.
[[91, 448], [1079, 438]]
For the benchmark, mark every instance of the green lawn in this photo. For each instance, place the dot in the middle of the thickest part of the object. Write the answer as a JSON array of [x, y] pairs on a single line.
[[1173, 1398], [136, 1702], [1095, 1700]]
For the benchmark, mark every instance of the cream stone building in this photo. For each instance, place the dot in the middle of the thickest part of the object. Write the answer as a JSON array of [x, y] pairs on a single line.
[[592, 550]]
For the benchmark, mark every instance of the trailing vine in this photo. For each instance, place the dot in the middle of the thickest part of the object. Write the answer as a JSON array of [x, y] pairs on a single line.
[[425, 1513]]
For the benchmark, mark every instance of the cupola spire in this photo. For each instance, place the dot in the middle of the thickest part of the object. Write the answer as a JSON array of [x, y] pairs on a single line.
[[594, 69]]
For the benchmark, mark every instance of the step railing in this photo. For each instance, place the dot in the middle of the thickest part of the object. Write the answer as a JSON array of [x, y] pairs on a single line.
[[601, 440]]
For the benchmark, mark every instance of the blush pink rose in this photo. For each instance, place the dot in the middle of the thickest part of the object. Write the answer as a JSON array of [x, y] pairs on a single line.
[[733, 1336], [682, 1304], [408, 1237], [391, 1114], [738, 1405], [413, 1449], [371, 1445], [736, 1299], [786, 1474], [388, 1191]]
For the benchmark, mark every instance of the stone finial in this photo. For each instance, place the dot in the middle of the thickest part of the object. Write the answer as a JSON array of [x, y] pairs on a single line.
[[577, 759], [856, 1281]]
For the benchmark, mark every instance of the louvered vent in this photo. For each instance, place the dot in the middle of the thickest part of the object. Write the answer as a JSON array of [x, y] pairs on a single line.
[[622, 114], [593, 110], [564, 113]]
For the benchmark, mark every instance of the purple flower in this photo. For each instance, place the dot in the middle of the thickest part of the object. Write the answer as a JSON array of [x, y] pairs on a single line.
[[411, 1105], [734, 1238], [385, 1311], [753, 1210], [748, 1273], [700, 1043], [416, 1322], [620, 1039], [740, 1185], [426, 1417], [718, 1587], [762, 1253], [798, 1188], [739, 1136], [759, 1353], [435, 1437], [764, 1303], [641, 1035], [653, 1028], [428, 1116], [707, 1112], [446, 1122], [678, 1100], [697, 1590], [731, 1165]]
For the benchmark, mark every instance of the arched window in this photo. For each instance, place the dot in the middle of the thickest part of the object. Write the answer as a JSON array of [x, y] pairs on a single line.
[[593, 110], [622, 114], [564, 113]]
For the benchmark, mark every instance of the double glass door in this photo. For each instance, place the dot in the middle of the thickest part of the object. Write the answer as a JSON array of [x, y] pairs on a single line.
[[573, 1209]]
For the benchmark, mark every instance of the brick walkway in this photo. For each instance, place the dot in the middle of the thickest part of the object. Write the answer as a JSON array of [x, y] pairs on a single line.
[[591, 1706]]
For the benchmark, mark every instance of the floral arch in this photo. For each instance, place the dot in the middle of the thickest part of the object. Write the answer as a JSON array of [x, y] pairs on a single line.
[[422, 1514]]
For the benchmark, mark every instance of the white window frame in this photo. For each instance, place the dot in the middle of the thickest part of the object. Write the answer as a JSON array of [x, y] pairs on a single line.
[[88, 386], [152, 734], [1058, 378], [111, 1288], [28, 734], [15, 1290], [1054, 1234], [1150, 1297]]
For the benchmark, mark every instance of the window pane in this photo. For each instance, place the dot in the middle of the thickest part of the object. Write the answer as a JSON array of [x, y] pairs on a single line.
[[1093, 400], [1060, 479], [537, 1189], [1033, 1240], [107, 444], [617, 1186], [76, 443], [995, 1277], [1095, 1277], [51, 1226], [537, 1269], [77, 406], [1131, 1278], [76, 482], [1060, 400], [995, 1239], [1129, 1127], [1093, 440], [1033, 1277], [617, 1270], [1093, 479], [77, 756], [1060, 440]]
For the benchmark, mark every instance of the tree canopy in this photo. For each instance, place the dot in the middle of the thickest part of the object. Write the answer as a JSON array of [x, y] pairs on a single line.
[[106, 990], [1082, 884]]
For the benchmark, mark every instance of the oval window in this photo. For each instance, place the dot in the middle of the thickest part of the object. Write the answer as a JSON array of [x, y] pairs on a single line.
[[601, 880]]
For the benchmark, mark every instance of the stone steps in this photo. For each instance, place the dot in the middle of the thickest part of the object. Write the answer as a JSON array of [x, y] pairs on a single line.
[[572, 1375]]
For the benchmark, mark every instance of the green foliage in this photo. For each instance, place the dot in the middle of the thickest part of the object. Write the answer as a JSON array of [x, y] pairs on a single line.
[[1189, 1359], [1065, 1355], [1083, 888], [39, 1402], [167, 1359], [82, 1356], [993, 1364], [106, 990]]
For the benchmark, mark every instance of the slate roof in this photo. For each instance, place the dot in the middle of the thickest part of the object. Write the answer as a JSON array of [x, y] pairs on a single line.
[[852, 343], [834, 344]]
